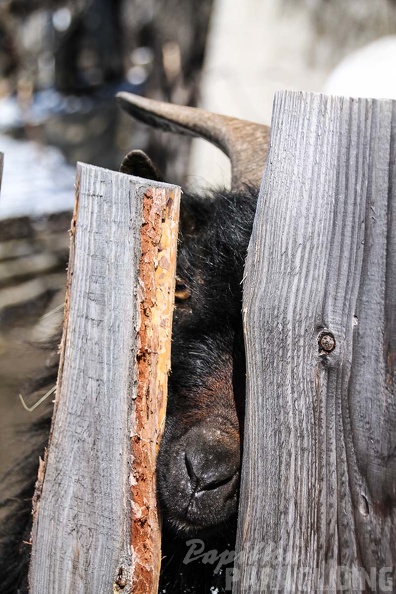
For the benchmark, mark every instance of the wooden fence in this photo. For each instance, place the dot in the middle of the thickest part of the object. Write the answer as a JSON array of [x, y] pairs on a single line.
[[318, 491], [95, 516], [318, 488]]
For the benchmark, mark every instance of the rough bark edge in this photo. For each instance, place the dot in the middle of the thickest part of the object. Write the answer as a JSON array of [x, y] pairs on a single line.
[[156, 276]]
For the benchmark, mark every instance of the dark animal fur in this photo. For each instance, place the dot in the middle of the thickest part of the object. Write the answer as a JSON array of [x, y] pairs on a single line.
[[207, 345]]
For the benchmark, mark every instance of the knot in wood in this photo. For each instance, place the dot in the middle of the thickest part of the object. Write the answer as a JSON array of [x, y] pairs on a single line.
[[327, 342], [121, 581]]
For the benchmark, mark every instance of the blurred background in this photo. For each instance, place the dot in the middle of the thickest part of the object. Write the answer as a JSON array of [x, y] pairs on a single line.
[[62, 62]]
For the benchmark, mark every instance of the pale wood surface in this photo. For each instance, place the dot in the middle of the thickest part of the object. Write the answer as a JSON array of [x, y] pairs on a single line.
[[319, 468], [82, 521]]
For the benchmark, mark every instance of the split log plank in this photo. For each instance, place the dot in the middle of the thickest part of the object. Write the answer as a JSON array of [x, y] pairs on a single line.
[[84, 534], [318, 489]]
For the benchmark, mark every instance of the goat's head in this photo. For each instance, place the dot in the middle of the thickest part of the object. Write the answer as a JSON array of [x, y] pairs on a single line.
[[199, 459]]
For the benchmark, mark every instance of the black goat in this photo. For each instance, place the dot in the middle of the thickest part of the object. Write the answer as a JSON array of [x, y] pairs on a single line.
[[199, 459]]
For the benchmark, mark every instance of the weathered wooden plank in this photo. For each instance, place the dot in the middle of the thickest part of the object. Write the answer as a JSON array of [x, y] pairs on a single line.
[[27, 267], [15, 228], [83, 538], [20, 248], [318, 493]]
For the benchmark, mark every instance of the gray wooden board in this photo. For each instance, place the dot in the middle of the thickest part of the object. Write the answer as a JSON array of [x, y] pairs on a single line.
[[318, 488], [81, 534]]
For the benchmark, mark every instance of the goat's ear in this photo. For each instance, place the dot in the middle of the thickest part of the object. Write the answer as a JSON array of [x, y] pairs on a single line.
[[138, 163]]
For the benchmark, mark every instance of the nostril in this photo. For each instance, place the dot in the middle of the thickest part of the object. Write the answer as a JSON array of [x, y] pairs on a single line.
[[204, 482], [210, 468], [215, 484], [190, 470]]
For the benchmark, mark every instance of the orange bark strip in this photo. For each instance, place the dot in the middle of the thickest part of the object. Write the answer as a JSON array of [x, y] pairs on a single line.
[[156, 277]]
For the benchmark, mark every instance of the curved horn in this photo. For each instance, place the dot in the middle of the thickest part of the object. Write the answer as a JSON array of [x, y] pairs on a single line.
[[245, 143]]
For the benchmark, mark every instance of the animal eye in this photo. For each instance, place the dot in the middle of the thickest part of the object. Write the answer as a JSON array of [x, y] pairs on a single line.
[[182, 292]]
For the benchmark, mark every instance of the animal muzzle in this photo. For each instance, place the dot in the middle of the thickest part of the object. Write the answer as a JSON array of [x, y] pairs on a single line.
[[198, 478]]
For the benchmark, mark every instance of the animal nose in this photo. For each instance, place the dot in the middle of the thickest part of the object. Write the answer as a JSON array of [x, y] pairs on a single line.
[[212, 459]]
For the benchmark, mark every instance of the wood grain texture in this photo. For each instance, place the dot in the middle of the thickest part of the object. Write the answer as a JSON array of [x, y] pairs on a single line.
[[82, 519], [318, 492]]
